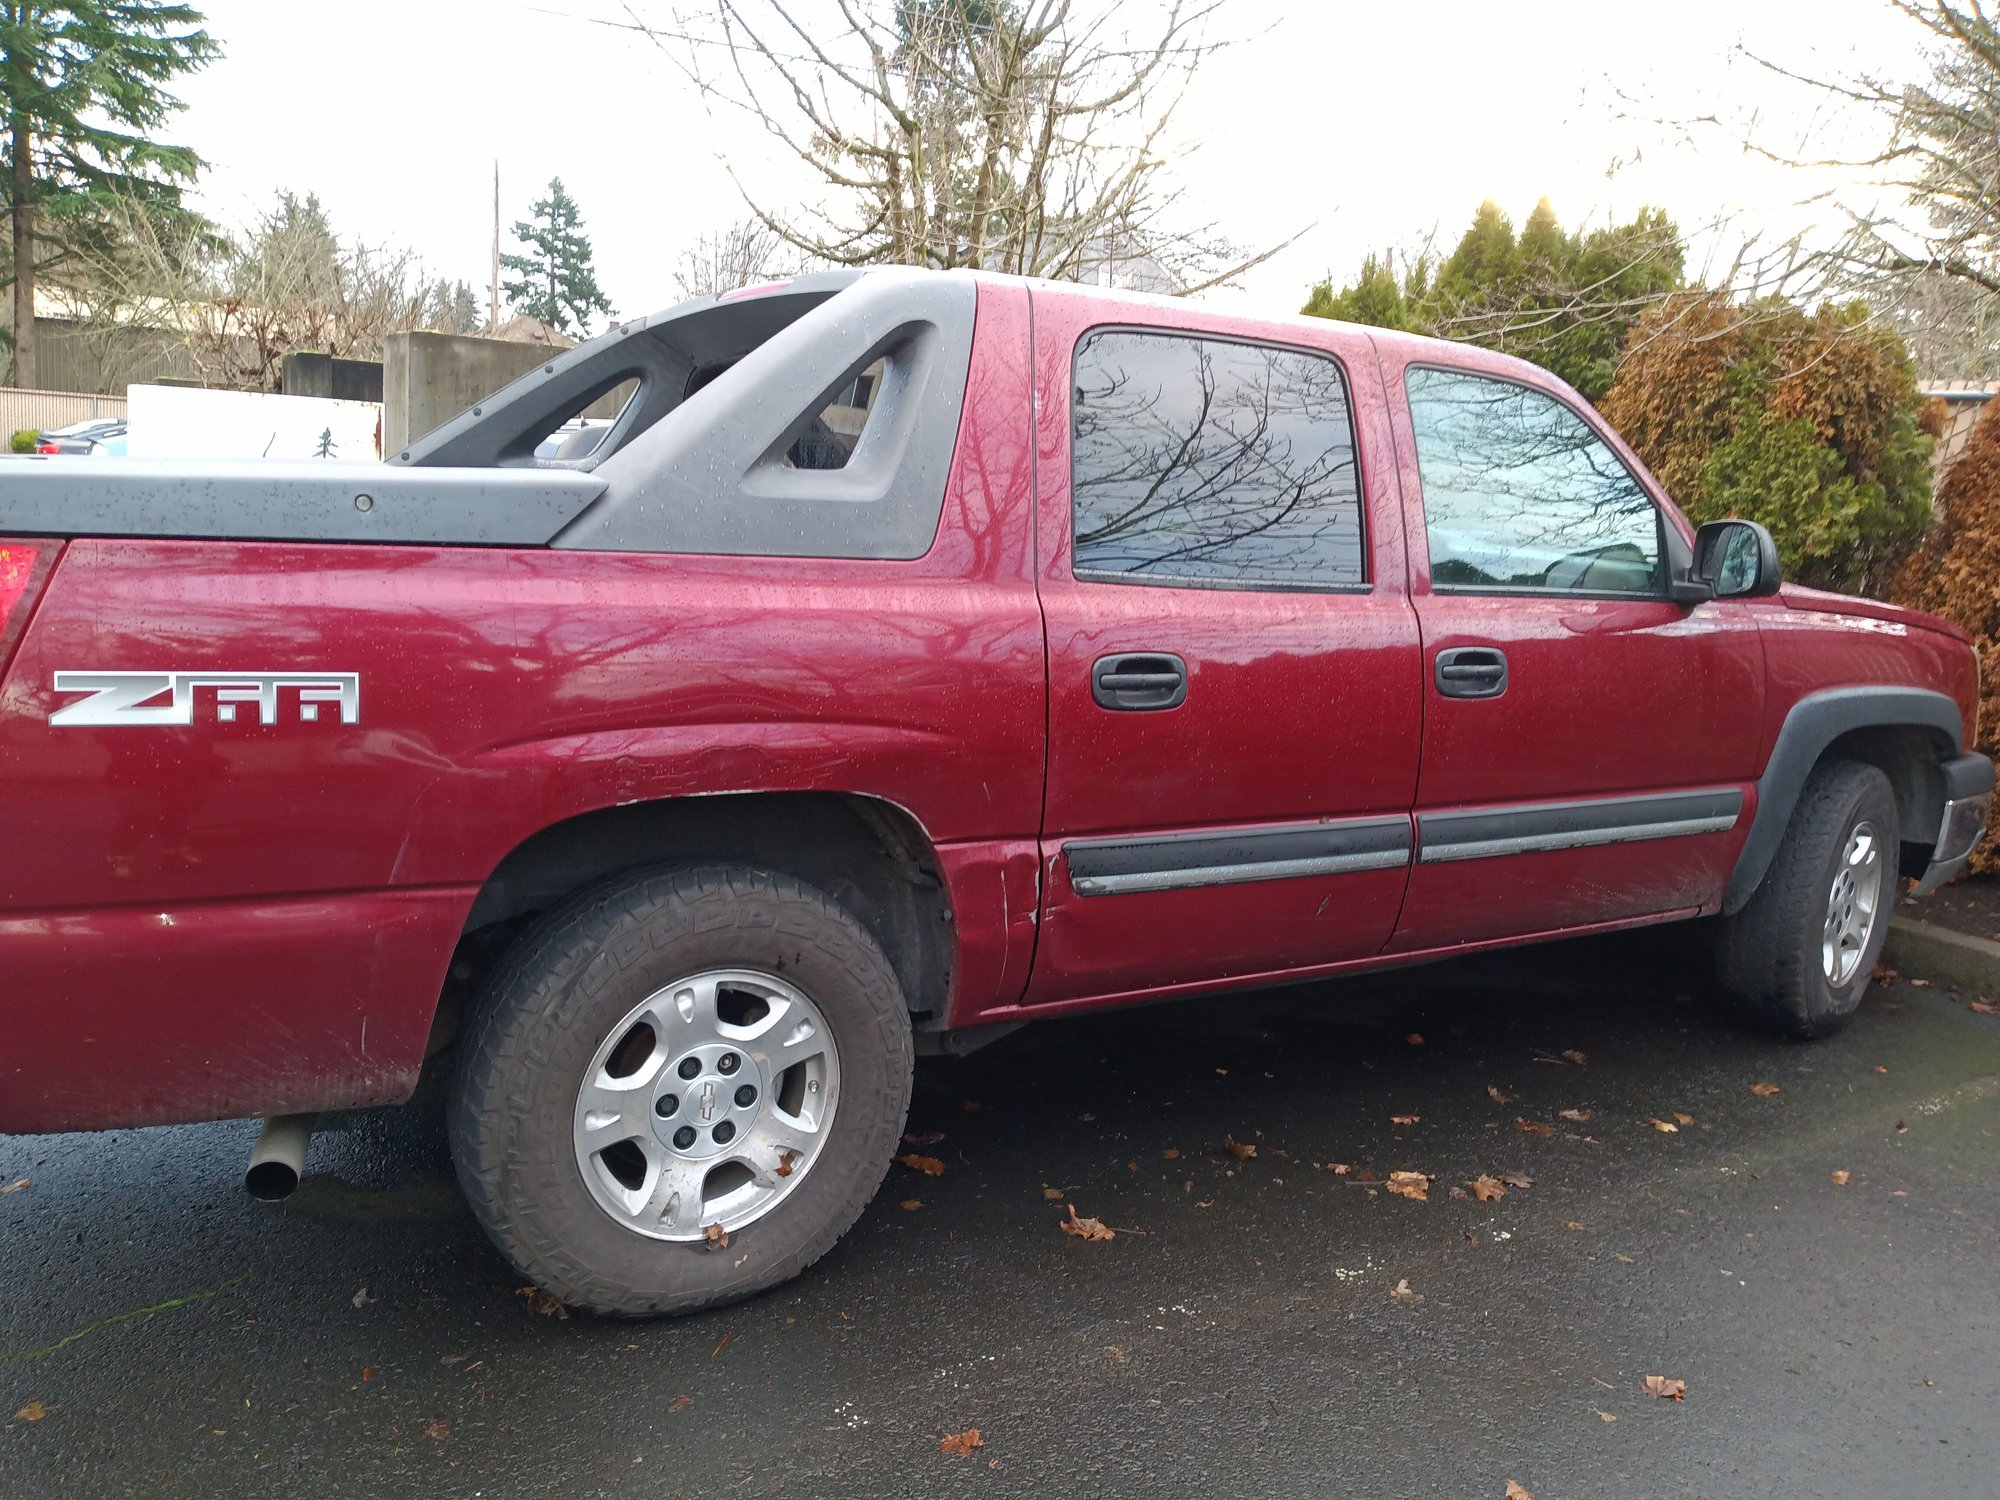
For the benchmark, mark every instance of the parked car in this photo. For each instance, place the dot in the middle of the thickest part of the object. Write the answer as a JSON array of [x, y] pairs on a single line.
[[916, 655], [98, 437]]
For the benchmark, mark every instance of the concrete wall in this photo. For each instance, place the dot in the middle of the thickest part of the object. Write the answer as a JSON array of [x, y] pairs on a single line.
[[332, 378], [429, 378]]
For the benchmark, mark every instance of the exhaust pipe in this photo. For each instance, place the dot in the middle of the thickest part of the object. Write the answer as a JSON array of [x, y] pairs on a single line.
[[279, 1157]]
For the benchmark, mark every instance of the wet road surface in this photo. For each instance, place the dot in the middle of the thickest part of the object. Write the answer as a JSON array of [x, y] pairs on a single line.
[[1239, 1336]]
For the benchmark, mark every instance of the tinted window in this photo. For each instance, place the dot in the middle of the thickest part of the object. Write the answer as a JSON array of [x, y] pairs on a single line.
[[1204, 461], [1519, 493]]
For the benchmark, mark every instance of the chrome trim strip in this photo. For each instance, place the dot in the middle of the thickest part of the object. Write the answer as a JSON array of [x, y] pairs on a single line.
[[1580, 838], [1236, 874]]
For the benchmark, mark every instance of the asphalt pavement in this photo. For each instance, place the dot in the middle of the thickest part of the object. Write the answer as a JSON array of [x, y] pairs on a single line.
[[1263, 1326]]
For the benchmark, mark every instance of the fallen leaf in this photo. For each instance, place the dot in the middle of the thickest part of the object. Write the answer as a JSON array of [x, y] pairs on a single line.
[[1172, 1153], [1920, 984], [437, 1431], [1364, 1175], [362, 1298], [1497, 1097], [1516, 1179], [1238, 1149], [1401, 1292], [1339, 1168], [1532, 1127], [14, 1187], [1412, 1185], [1574, 1056], [911, 1205], [1900, 1125], [1578, 1115], [1660, 1385], [927, 1138], [1487, 1189], [723, 1342], [34, 1411], [1574, 1224], [1840, 1179], [930, 1166], [1880, 1069], [717, 1237], [1517, 1492], [1605, 1415], [1086, 1119], [1883, 974], [1984, 1007], [680, 1403], [1415, 1039], [1665, 1127], [1115, 1354], [1404, 1119], [1086, 1229], [367, 1372], [970, 1106], [785, 1160], [541, 1304], [1684, 1119], [961, 1444], [1765, 1090], [1052, 1193], [1621, 1255], [1207, 1203], [1460, 1195]]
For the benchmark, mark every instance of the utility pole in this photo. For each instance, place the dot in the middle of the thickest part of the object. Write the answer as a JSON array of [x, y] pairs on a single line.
[[493, 299]]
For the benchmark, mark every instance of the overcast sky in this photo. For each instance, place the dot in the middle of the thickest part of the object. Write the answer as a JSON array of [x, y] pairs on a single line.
[[1374, 123]]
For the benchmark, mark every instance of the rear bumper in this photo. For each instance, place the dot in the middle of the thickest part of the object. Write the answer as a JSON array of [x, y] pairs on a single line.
[[1968, 790]]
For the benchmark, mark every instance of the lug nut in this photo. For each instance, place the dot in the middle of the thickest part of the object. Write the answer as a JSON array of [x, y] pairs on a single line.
[[684, 1137], [666, 1105], [724, 1133], [745, 1096], [728, 1063], [690, 1067]]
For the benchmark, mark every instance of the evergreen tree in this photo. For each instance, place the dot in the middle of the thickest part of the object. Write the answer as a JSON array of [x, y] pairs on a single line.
[[554, 280], [84, 101]]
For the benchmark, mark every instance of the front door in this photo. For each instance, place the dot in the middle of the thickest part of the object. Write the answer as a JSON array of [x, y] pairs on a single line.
[[1589, 744], [1233, 662]]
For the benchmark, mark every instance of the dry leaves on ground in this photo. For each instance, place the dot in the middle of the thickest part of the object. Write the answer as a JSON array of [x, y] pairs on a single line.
[[1661, 1385], [961, 1444], [1984, 1007], [1840, 1179], [437, 1431], [785, 1160], [1493, 1093], [1765, 1090], [362, 1298], [925, 1138], [1086, 1229], [911, 1205], [14, 1186], [1532, 1127], [1604, 1415], [541, 1304], [1516, 1179], [930, 1166], [1576, 1115], [1413, 1185], [1415, 1039], [1574, 1056], [1665, 1127], [1404, 1119], [1684, 1119], [1487, 1189], [1171, 1153], [1883, 974], [717, 1237], [34, 1411], [1517, 1492], [1401, 1292], [1920, 984], [1052, 1194], [1241, 1150], [1339, 1168]]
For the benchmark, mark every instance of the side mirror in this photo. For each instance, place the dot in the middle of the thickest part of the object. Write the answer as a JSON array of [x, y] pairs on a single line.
[[1736, 560]]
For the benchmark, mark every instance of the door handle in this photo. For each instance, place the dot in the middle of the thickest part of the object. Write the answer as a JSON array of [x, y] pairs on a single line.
[[1472, 672], [1134, 682]]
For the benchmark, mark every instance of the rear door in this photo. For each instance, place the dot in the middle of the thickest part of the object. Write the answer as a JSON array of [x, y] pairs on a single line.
[[1589, 744], [1233, 662]]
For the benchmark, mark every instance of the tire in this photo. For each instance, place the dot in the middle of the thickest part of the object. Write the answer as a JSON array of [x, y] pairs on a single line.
[[523, 1139], [1771, 957]]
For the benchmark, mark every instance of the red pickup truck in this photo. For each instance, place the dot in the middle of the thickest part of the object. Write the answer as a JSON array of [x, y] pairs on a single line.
[[915, 654]]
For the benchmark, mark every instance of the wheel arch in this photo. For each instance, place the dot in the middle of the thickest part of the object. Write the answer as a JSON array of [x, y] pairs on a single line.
[[869, 854], [1908, 732]]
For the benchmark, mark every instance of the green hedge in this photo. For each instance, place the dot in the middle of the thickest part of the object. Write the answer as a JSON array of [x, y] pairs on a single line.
[[23, 441]]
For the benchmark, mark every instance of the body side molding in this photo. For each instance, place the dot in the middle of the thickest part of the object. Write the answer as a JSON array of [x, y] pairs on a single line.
[[1180, 861]]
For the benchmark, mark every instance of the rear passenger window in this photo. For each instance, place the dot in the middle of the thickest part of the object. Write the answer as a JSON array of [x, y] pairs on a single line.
[[1207, 462], [1521, 494]]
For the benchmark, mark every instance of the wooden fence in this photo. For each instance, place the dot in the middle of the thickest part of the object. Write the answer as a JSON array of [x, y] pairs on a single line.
[[40, 410]]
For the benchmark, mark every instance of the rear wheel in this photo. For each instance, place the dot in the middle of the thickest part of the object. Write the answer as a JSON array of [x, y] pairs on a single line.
[[681, 1089], [1799, 955]]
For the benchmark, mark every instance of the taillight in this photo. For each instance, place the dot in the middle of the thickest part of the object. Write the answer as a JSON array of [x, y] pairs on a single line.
[[17, 566], [50, 448]]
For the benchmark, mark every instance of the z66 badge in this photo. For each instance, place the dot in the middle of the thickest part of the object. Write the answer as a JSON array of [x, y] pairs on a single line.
[[135, 698]]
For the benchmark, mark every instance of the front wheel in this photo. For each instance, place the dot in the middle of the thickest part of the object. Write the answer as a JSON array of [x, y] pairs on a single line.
[[1798, 956], [681, 1089]]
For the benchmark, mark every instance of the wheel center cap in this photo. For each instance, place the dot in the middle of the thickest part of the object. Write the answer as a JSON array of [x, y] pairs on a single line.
[[709, 1108]]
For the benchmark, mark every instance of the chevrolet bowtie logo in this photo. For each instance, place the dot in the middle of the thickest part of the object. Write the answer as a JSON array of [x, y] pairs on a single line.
[[120, 698], [707, 1102]]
